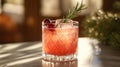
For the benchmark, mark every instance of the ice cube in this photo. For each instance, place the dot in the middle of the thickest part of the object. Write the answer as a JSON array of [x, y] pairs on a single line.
[[57, 23], [66, 25], [60, 24]]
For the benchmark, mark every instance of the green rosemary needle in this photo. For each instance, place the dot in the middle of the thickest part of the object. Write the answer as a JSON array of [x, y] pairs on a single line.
[[74, 12]]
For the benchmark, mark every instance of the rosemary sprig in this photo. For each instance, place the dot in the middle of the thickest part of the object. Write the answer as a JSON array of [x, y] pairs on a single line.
[[74, 12]]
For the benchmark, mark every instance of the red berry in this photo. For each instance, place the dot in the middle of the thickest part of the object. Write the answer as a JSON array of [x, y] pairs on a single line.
[[51, 27], [46, 21], [49, 24]]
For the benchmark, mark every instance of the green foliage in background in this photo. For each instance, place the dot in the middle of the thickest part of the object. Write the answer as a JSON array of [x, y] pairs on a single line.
[[103, 26], [116, 6]]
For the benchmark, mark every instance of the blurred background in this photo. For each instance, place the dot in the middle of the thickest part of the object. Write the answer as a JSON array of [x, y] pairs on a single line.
[[20, 20]]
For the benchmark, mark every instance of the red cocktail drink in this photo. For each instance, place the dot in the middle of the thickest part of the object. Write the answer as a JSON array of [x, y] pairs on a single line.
[[59, 39]]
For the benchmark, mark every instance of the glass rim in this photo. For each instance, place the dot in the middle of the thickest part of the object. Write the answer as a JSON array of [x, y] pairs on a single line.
[[59, 20]]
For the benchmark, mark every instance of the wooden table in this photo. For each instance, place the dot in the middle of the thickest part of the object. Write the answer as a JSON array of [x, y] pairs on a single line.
[[29, 54]]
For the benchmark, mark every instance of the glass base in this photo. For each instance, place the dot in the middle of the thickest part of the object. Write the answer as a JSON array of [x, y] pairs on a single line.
[[71, 63], [54, 58]]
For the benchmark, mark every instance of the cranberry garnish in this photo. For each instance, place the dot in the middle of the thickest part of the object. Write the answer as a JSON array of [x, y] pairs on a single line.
[[51, 27], [49, 24], [46, 21]]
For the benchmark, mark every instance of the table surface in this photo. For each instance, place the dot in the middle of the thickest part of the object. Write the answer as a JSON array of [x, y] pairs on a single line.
[[29, 54]]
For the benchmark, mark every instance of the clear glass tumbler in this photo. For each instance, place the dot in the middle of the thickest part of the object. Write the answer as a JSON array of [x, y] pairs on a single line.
[[59, 40]]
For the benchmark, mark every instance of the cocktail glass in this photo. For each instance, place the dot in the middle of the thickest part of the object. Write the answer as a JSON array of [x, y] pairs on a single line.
[[59, 40]]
